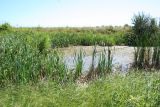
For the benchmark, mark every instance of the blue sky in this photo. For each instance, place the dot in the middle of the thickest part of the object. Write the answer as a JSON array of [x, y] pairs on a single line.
[[58, 13]]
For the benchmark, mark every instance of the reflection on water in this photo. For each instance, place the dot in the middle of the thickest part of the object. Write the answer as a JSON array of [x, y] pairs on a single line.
[[122, 57]]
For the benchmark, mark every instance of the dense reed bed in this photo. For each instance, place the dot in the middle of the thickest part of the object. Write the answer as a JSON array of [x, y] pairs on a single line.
[[30, 59], [25, 59]]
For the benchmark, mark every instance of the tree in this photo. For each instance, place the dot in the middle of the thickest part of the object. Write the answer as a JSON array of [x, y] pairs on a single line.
[[144, 28]]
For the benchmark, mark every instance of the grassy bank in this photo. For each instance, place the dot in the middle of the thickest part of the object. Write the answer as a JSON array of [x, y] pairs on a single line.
[[136, 89]]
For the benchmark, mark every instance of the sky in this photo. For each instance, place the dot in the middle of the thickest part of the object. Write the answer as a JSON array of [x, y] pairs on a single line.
[[74, 13]]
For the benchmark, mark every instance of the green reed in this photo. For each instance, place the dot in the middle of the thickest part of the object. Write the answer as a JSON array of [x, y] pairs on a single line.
[[78, 58], [104, 64], [91, 73], [23, 63]]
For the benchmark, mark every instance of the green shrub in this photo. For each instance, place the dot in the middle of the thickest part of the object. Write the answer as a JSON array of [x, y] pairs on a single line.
[[5, 27], [144, 29], [44, 44]]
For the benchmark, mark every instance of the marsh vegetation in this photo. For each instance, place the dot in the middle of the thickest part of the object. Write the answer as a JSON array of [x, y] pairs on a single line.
[[33, 71]]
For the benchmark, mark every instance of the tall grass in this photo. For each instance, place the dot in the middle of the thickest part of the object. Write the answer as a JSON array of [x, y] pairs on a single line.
[[136, 89], [21, 62], [63, 39], [44, 44]]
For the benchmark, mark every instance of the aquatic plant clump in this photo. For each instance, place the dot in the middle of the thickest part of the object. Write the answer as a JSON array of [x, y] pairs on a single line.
[[104, 64], [23, 63]]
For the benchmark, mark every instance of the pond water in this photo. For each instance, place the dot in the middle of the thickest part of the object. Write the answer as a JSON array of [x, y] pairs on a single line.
[[122, 57]]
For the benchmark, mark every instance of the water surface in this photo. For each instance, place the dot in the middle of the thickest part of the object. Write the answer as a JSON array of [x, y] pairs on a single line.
[[122, 56]]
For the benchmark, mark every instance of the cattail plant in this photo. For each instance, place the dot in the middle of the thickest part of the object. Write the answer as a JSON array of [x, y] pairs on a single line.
[[78, 58], [104, 64], [91, 74]]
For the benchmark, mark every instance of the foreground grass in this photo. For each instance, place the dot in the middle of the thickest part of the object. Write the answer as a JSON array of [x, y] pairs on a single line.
[[116, 90]]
